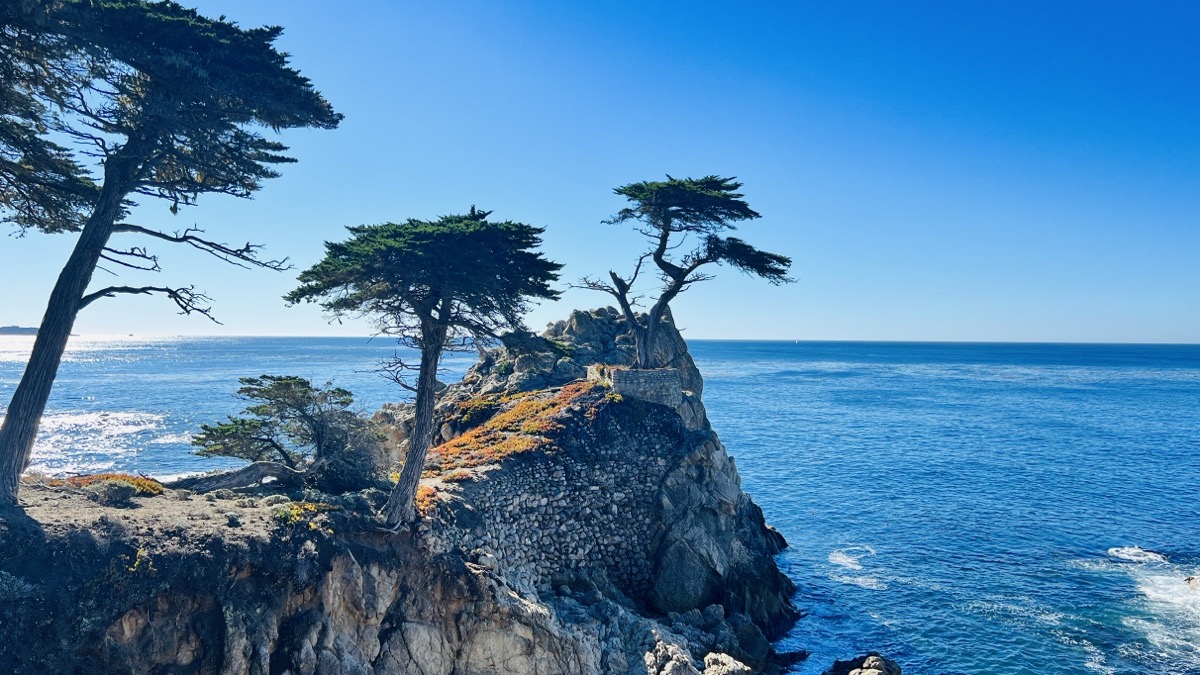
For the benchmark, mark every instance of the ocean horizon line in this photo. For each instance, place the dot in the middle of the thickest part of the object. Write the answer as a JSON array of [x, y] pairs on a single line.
[[185, 336]]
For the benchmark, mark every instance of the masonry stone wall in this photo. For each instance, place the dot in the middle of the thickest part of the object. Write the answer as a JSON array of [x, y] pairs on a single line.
[[659, 385], [589, 507]]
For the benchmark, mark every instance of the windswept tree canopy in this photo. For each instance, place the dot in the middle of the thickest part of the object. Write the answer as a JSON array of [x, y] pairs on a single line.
[[288, 418], [42, 186], [704, 208], [685, 221], [167, 102], [471, 275]]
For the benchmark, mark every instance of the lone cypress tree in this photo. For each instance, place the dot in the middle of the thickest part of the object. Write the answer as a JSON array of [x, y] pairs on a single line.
[[169, 104], [667, 213], [434, 285]]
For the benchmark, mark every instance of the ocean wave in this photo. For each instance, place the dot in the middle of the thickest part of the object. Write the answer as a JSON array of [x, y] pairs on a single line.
[[1136, 554], [1165, 612]]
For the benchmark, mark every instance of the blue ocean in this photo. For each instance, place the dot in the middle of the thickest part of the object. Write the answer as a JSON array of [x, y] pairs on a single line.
[[971, 509]]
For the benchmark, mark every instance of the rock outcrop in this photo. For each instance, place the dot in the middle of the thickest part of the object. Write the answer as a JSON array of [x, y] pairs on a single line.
[[869, 664], [565, 529], [567, 348], [621, 499]]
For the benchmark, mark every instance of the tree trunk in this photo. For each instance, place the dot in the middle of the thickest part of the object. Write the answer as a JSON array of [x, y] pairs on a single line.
[[401, 506], [24, 413], [621, 293], [251, 475], [646, 347]]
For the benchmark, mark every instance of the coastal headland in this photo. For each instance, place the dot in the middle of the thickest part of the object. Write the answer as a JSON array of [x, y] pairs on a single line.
[[571, 522]]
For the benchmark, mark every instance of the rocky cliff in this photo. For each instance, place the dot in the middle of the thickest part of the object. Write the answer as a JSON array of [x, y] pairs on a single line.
[[565, 529]]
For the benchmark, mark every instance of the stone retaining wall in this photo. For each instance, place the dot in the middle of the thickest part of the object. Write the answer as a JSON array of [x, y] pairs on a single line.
[[658, 385]]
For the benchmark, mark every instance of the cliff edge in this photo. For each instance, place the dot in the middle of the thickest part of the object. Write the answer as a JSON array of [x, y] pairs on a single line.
[[566, 528]]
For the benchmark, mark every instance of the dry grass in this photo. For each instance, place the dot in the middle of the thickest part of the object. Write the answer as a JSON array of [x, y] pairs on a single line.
[[525, 426], [458, 476]]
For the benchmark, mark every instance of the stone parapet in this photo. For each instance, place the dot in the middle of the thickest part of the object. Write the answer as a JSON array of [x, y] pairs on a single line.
[[658, 385]]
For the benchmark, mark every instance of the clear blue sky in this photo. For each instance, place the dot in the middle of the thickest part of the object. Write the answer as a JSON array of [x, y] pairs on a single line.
[[937, 171]]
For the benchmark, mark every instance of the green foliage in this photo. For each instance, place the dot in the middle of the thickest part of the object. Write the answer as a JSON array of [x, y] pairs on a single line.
[[704, 206], [707, 204], [42, 186], [104, 101], [305, 516], [180, 111], [669, 214], [291, 419], [246, 438], [462, 272]]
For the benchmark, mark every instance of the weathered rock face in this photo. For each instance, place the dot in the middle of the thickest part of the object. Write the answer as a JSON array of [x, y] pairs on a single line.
[[600, 536], [309, 602], [624, 498]]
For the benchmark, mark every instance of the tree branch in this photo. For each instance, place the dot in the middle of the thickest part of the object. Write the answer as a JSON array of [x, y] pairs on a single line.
[[187, 299], [395, 370], [135, 252], [234, 256]]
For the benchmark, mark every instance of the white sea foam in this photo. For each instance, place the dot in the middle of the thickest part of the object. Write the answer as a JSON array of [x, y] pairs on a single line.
[[1017, 611], [1136, 554], [1166, 611], [869, 583], [1095, 659], [850, 556]]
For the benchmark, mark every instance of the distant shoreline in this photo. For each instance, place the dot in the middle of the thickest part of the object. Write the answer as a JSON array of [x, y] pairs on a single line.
[[17, 330]]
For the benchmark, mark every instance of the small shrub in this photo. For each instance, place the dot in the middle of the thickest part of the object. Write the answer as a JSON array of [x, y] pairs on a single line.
[[145, 487], [427, 500], [116, 493], [296, 513], [142, 562], [458, 476], [275, 500]]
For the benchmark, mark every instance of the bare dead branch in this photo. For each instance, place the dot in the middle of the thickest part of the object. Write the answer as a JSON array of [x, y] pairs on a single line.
[[247, 253], [395, 371], [135, 253], [187, 299]]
